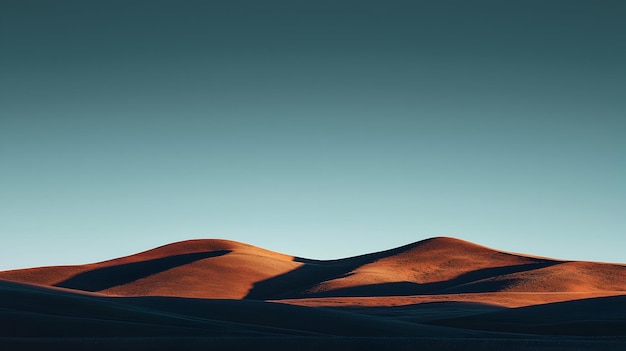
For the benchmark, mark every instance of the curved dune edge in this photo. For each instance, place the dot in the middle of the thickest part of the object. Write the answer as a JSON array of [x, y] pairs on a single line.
[[502, 299], [206, 294], [436, 269]]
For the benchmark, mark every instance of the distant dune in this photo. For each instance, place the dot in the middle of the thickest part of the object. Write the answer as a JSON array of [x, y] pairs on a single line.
[[195, 268], [224, 294], [225, 269]]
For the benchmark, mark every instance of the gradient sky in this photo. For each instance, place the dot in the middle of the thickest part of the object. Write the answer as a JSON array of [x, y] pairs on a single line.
[[323, 129]]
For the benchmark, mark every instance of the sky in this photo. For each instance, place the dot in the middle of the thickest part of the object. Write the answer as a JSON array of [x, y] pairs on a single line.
[[322, 129]]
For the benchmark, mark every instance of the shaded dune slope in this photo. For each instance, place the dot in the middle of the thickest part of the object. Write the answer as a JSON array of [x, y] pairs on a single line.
[[225, 269], [424, 267], [35, 311], [29, 311], [602, 316]]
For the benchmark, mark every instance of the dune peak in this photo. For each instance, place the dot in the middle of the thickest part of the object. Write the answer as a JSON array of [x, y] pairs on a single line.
[[221, 268]]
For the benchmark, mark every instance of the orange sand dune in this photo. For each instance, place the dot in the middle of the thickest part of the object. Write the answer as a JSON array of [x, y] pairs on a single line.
[[426, 267], [436, 294], [434, 267], [195, 268]]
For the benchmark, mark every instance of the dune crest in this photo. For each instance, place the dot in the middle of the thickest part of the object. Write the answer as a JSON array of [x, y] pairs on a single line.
[[440, 294], [214, 268], [211, 268]]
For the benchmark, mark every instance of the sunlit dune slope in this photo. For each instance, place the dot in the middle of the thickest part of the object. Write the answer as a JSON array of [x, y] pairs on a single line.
[[441, 266], [564, 277], [426, 267], [197, 268], [225, 269]]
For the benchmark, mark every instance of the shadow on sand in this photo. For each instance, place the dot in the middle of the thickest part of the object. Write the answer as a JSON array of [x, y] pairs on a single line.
[[108, 277], [294, 284], [600, 316], [290, 284], [470, 282]]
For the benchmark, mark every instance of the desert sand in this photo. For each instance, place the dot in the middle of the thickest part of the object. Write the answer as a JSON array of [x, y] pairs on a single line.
[[440, 294]]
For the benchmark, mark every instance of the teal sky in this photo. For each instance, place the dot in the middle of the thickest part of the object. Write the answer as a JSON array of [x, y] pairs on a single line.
[[322, 129]]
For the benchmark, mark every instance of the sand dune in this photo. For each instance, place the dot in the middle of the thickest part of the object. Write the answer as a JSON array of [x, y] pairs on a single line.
[[195, 268], [438, 294], [227, 269]]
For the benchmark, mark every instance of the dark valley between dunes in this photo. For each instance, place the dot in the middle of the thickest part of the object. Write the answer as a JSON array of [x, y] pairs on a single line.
[[436, 294]]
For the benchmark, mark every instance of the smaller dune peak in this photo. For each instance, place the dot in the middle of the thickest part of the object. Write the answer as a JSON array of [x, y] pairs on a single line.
[[447, 240], [194, 246], [190, 246], [447, 243], [203, 245]]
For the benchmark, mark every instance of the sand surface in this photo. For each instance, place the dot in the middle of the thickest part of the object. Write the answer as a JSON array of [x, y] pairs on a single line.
[[440, 293]]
